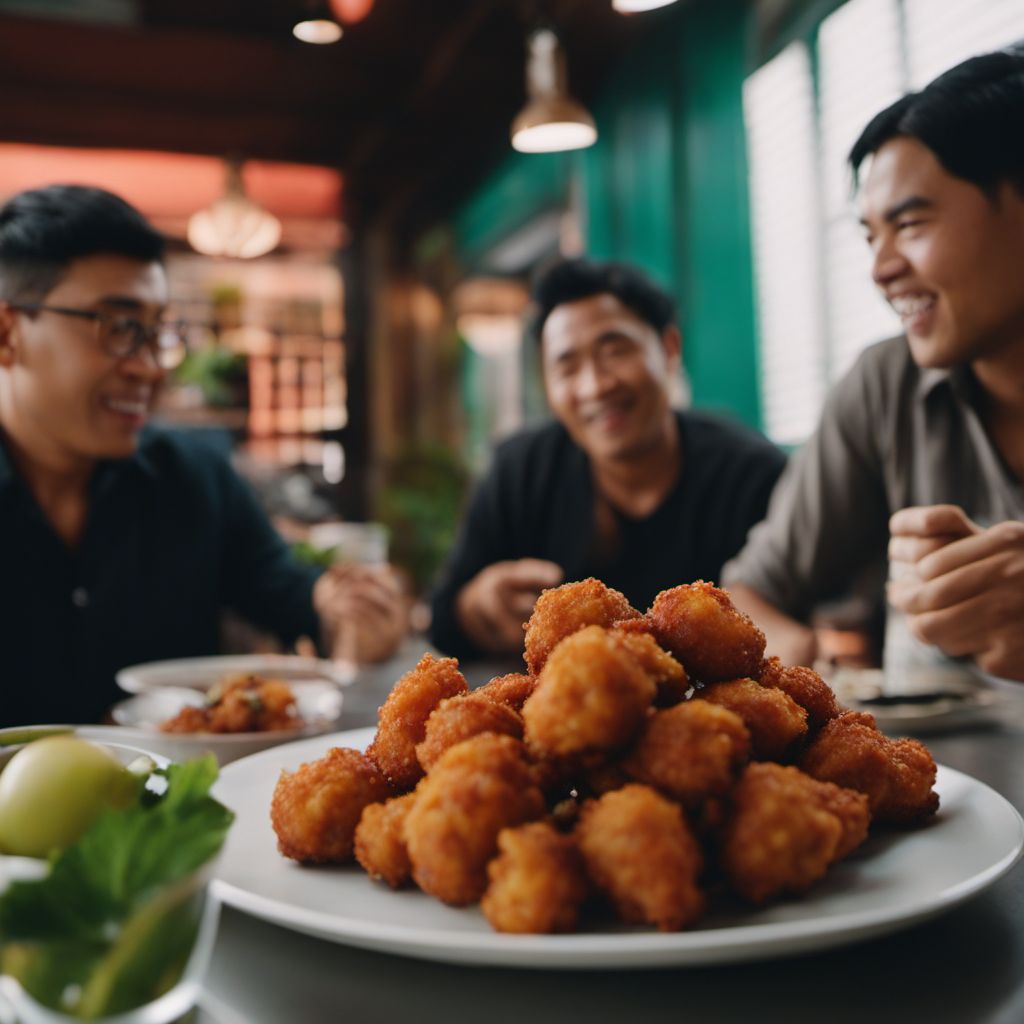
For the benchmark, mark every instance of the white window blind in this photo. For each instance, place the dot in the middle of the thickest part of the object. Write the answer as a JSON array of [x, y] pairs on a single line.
[[817, 306], [860, 73], [778, 104], [941, 33]]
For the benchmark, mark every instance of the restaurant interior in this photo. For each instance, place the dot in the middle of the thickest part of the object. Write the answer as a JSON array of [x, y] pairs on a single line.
[[357, 195]]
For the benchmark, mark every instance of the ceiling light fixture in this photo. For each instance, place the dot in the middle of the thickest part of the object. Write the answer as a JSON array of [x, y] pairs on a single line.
[[319, 31], [636, 6], [350, 11], [234, 225], [551, 120], [317, 25]]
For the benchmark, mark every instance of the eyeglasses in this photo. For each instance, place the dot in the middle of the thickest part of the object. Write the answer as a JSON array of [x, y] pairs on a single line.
[[123, 336]]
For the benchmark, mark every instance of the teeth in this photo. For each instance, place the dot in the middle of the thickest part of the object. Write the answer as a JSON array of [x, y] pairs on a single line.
[[909, 305], [128, 408]]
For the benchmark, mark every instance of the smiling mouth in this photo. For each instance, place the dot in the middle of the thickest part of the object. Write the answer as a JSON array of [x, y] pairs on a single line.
[[910, 308], [134, 408]]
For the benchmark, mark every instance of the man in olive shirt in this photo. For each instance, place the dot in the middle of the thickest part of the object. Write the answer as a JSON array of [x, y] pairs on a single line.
[[919, 457], [120, 543]]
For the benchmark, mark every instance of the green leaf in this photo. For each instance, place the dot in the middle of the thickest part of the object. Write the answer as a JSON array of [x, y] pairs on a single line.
[[119, 879]]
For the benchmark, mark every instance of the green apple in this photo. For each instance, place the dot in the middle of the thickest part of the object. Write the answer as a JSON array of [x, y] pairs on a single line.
[[52, 790]]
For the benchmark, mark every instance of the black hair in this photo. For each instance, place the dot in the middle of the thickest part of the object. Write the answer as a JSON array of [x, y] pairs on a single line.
[[570, 280], [44, 229], [970, 117]]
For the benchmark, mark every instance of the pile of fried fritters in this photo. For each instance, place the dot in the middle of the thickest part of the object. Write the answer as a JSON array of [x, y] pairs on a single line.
[[645, 765]]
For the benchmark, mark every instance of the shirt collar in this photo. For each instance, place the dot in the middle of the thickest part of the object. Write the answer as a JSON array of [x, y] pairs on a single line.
[[958, 381]]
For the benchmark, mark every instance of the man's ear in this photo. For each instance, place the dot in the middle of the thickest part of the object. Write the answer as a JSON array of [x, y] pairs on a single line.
[[672, 342], [7, 339]]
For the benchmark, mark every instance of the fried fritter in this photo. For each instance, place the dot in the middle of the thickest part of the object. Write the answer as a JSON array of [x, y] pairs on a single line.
[[537, 881], [776, 722], [511, 689], [699, 624], [690, 752], [806, 687], [896, 775], [315, 809], [666, 673], [591, 696], [402, 718], [784, 831], [641, 853], [476, 789], [561, 611], [379, 845], [457, 718]]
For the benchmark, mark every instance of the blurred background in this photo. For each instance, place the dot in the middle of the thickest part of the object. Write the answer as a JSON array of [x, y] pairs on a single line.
[[354, 226]]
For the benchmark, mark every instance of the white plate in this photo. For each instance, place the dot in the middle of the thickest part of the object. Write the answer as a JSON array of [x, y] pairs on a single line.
[[954, 708], [202, 673], [895, 880], [319, 705]]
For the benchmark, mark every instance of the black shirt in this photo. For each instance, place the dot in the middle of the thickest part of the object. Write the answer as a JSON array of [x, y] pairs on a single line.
[[537, 501], [173, 536]]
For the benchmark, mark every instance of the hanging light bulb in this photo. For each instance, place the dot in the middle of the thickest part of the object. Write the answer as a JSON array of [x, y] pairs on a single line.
[[317, 25], [319, 31], [350, 11], [636, 6], [551, 120], [234, 225]]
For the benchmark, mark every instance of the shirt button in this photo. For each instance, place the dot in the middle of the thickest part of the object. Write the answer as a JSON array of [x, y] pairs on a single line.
[[80, 597]]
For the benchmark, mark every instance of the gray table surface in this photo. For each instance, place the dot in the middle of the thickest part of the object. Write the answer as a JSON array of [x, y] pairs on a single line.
[[964, 966]]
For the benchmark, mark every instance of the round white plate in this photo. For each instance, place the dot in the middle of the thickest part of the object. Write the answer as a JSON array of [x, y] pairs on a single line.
[[318, 702], [202, 673], [895, 880], [953, 707]]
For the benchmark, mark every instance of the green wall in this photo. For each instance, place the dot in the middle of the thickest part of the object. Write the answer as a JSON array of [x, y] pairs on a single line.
[[665, 186]]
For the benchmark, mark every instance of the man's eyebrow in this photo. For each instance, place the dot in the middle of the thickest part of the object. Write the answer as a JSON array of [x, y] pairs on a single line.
[[120, 301], [897, 211]]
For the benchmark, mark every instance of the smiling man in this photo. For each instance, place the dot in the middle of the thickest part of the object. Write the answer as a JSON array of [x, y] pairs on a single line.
[[621, 486], [120, 543], [919, 457]]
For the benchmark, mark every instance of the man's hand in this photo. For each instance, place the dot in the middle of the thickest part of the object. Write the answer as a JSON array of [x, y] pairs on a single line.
[[363, 611], [961, 586], [495, 603]]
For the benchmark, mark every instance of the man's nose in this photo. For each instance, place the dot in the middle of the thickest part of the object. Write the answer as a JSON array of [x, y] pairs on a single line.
[[144, 362], [887, 262], [593, 379]]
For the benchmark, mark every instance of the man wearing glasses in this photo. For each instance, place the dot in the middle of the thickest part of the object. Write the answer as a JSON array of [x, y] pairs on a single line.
[[120, 543]]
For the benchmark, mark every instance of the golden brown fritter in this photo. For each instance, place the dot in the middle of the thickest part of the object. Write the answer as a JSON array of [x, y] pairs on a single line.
[[896, 775], [537, 881], [379, 843], [590, 696], [315, 809], [776, 722], [476, 789], [783, 831], [511, 689], [806, 687], [641, 853], [457, 718], [700, 625], [561, 611], [690, 752], [242, 703], [402, 718], [666, 673]]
